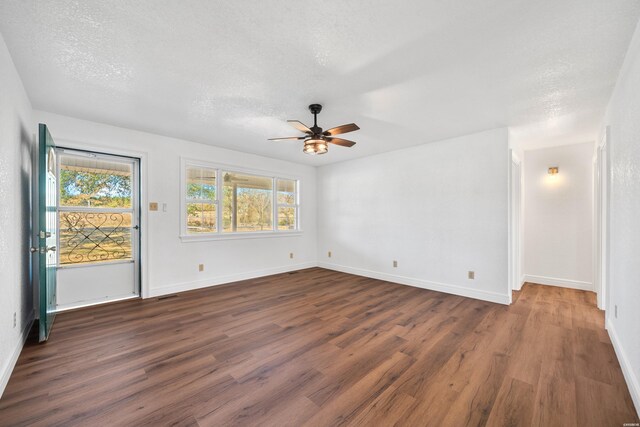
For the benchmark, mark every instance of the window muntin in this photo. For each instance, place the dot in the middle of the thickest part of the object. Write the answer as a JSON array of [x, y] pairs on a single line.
[[224, 202]]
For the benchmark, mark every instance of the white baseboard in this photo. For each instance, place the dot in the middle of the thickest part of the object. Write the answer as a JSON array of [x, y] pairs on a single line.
[[632, 381], [519, 285], [424, 284], [8, 369], [554, 281], [205, 283]]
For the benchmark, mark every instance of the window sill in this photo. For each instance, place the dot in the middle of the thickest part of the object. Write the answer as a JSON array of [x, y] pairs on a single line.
[[235, 236]]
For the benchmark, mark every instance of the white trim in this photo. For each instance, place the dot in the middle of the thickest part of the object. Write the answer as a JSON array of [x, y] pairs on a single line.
[[11, 363], [204, 237], [601, 191], [514, 158], [510, 226], [633, 384], [514, 230], [214, 281], [554, 281], [424, 284]]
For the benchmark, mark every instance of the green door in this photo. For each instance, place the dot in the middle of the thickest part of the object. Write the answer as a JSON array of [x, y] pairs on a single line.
[[47, 212]]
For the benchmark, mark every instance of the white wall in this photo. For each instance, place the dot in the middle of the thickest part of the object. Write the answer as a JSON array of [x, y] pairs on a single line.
[[16, 153], [558, 228], [623, 117], [170, 265], [439, 209]]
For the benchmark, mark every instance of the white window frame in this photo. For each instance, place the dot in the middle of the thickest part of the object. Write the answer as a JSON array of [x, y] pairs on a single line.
[[219, 234], [186, 200], [296, 202]]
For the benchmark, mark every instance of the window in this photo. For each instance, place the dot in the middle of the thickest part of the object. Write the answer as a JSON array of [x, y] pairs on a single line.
[[96, 211], [201, 200], [247, 203], [221, 202], [287, 204]]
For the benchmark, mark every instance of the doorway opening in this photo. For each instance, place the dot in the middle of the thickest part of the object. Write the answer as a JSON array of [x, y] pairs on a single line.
[[557, 216], [98, 228]]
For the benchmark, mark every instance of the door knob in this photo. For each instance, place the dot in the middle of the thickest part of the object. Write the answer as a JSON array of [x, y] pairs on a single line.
[[33, 250]]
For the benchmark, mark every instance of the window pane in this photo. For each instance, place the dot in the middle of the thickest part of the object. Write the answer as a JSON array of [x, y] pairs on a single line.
[[87, 237], [201, 183], [286, 191], [94, 182], [286, 218], [247, 203], [201, 218]]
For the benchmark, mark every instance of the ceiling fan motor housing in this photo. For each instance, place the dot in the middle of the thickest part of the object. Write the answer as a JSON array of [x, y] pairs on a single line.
[[315, 108]]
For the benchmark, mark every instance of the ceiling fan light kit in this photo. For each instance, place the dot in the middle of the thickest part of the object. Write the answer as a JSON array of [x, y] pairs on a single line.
[[316, 140], [315, 146]]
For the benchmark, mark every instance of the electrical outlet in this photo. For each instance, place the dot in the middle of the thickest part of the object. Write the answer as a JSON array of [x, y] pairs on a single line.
[[472, 275], [200, 267], [615, 311], [329, 254], [395, 264], [15, 319], [291, 255]]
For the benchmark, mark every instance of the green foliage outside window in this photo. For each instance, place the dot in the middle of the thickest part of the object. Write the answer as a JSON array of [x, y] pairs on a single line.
[[92, 189]]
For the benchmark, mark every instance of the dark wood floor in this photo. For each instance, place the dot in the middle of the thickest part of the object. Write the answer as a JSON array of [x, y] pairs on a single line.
[[324, 348]]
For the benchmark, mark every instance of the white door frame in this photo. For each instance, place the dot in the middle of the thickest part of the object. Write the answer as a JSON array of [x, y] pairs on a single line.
[[601, 220], [134, 210], [515, 222], [144, 220]]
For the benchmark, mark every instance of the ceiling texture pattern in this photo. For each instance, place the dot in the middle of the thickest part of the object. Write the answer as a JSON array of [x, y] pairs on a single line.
[[230, 73]]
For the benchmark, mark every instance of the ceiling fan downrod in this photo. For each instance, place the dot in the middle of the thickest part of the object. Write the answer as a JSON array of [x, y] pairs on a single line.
[[315, 110]]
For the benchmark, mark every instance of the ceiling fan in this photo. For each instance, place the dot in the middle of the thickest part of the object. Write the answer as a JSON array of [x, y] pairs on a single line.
[[315, 139]]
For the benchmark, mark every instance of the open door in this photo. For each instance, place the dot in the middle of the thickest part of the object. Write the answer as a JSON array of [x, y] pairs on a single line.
[[47, 212]]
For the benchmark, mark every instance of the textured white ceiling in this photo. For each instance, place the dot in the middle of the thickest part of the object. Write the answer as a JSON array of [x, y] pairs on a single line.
[[229, 73]]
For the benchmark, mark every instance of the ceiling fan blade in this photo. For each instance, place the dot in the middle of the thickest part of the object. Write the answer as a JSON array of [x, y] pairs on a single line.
[[288, 138], [299, 125], [340, 141], [341, 129]]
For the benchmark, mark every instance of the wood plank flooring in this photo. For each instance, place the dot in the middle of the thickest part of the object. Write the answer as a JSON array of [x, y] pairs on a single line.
[[322, 348]]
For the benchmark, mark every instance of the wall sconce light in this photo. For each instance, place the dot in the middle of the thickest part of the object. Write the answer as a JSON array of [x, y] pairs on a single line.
[[553, 170]]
